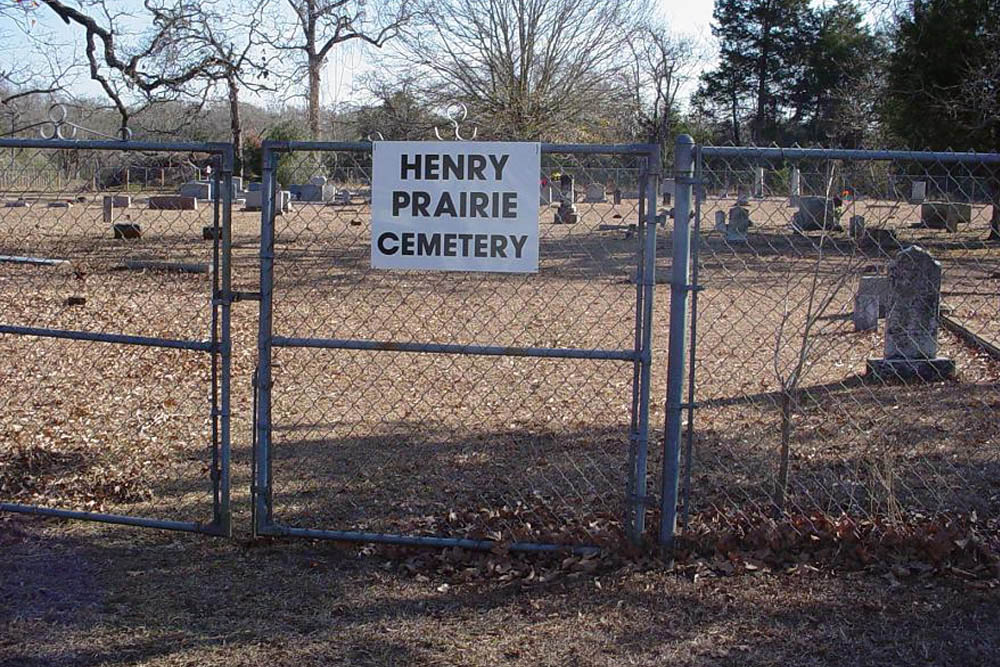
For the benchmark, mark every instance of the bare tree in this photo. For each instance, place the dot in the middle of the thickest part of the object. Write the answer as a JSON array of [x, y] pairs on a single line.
[[147, 66], [527, 68], [320, 25], [23, 80], [659, 66], [797, 333], [230, 50]]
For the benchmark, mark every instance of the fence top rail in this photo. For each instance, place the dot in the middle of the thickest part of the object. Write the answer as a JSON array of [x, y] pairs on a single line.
[[618, 149], [186, 146], [777, 153]]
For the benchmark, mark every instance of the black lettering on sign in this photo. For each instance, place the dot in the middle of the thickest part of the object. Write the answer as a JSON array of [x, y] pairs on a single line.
[[449, 245], [482, 240], [518, 242], [445, 206], [384, 239], [407, 244], [498, 165], [465, 243], [400, 200], [453, 166], [477, 165], [498, 246], [431, 163], [406, 165], [429, 244], [510, 204], [420, 202]]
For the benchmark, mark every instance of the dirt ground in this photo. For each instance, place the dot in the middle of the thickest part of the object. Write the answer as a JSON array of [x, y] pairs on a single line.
[[496, 447], [127, 597]]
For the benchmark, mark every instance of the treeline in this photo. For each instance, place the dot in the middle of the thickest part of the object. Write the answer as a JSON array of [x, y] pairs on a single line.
[[868, 73]]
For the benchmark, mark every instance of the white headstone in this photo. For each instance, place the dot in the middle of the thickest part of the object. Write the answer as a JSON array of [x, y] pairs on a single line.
[[918, 192], [794, 187]]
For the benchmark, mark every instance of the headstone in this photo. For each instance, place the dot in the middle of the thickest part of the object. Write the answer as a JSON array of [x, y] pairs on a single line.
[[173, 203], [127, 230], [720, 221], [237, 184], [284, 203], [318, 180], [209, 233], [758, 183], [618, 196], [794, 187], [877, 287], [865, 312], [566, 213], [252, 200], [595, 194], [17, 203], [918, 192], [912, 323], [196, 189], [815, 213], [739, 222], [856, 227], [742, 195], [668, 188], [254, 186], [121, 201], [945, 215], [109, 209]]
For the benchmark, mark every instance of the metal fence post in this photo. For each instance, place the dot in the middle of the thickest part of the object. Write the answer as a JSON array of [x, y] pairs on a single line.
[[226, 338], [638, 500], [679, 287], [262, 474]]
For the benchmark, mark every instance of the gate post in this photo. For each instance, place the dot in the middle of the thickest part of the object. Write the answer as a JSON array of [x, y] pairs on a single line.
[[637, 499], [226, 336], [261, 485], [679, 288]]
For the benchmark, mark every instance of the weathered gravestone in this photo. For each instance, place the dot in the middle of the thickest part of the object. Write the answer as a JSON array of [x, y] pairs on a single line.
[[173, 203], [911, 330], [566, 213], [918, 192], [742, 195], [815, 214], [595, 194], [871, 302], [944, 215], [196, 189], [720, 221], [739, 223]]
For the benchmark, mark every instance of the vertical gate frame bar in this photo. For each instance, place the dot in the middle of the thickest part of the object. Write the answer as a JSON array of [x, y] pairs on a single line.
[[634, 512], [653, 174], [226, 343], [216, 308], [679, 287], [262, 475], [699, 195]]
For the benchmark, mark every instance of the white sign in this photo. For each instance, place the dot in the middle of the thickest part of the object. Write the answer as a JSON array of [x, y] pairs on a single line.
[[455, 206]]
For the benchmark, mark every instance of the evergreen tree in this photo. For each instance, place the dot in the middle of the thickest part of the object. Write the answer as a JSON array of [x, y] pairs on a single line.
[[761, 46]]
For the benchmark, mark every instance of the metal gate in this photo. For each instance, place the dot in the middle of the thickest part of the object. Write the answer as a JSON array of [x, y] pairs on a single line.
[[114, 332], [455, 409]]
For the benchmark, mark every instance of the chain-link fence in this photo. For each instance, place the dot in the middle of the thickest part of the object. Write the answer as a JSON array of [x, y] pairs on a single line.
[[815, 388], [114, 332], [455, 408]]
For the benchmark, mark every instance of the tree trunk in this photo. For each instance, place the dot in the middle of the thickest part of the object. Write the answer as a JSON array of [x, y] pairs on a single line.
[[781, 484], [736, 120], [995, 222], [235, 123], [315, 68]]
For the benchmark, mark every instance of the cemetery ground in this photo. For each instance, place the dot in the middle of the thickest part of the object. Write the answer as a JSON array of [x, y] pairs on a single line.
[[508, 448]]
